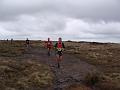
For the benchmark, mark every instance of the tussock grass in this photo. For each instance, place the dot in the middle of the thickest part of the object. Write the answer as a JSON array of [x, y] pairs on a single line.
[[78, 87], [24, 75], [105, 56], [11, 50]]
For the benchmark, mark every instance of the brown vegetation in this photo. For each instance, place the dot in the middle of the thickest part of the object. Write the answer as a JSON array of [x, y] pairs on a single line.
[[21, 75], [105, 56], [15, 75], [11, 50]]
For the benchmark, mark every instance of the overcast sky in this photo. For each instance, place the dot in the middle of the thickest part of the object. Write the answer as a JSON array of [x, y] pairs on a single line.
[[91, 20]]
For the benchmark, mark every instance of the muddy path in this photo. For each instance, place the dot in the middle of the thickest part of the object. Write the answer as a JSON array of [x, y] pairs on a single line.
[[72, 70]]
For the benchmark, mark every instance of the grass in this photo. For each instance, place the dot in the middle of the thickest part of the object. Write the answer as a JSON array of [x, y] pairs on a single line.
[[11, 50], [37, 43], [92, 78], [105, 56], [16, 75], [99, 54], [24, 75], [78, 87]]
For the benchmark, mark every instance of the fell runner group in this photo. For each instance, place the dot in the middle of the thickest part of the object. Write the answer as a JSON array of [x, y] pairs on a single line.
[[59, 48]]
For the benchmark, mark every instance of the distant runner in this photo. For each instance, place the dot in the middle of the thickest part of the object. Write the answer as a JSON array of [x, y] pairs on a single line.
[[59, 46], [49, 46], [27, 42], [11, 40], [7, 40]]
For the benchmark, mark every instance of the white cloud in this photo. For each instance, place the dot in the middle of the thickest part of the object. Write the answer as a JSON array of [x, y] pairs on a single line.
[[97, 20]]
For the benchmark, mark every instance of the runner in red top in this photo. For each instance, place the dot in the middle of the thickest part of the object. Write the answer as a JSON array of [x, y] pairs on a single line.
[[49, 46], [59, 46]]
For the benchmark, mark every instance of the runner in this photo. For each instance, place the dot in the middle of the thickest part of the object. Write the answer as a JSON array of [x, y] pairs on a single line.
[[59, 46], [48, 45], [27, 42], [11, 40]]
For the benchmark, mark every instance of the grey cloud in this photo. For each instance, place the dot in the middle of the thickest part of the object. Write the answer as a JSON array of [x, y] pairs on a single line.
[[36, 24], [94, 9], [70, 19]]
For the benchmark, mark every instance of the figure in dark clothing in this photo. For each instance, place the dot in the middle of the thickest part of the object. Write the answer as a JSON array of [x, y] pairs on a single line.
[[27, 42]]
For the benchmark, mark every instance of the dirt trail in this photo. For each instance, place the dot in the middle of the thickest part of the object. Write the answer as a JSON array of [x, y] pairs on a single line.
[[72, 69]]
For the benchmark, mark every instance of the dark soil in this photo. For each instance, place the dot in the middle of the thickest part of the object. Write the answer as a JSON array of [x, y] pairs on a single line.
[[72, 69]]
